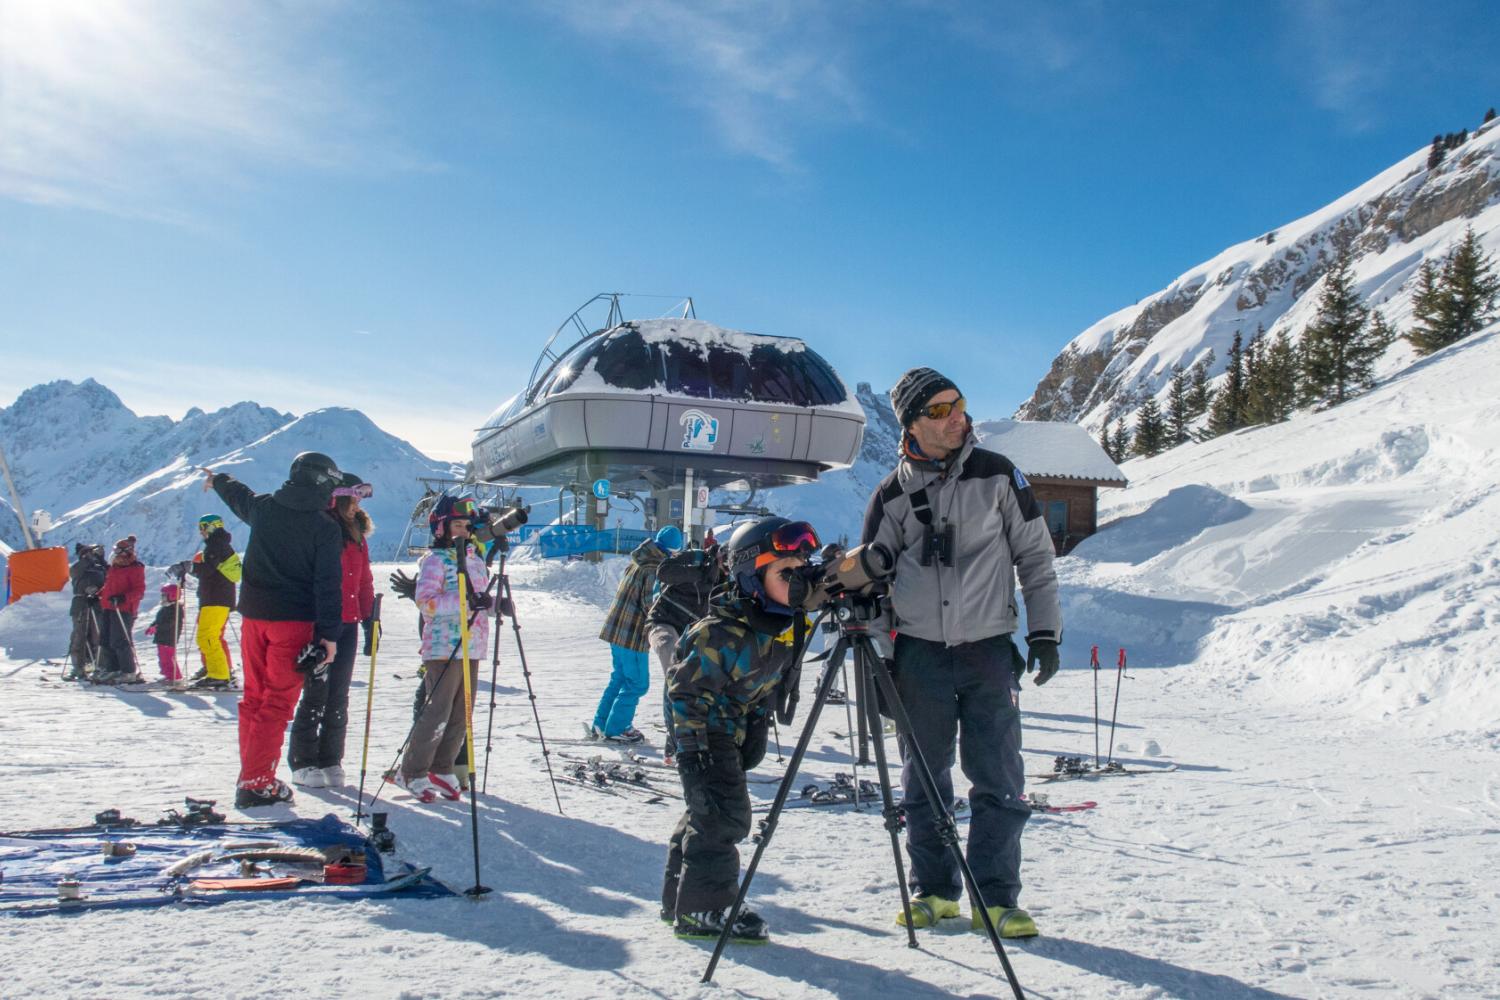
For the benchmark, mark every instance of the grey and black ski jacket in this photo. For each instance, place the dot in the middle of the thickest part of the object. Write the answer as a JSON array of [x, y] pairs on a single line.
[[997, 530]]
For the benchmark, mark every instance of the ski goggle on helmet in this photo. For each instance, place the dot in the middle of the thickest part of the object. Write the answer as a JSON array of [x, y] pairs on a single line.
[[363, 491], [209, 523], [757, 545]]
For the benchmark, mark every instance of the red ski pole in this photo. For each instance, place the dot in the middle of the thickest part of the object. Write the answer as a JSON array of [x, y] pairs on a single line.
[[1119, 672], [1094, 662]]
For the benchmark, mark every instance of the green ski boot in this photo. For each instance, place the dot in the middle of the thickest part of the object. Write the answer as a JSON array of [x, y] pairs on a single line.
[[1010, 921], [926, 911]]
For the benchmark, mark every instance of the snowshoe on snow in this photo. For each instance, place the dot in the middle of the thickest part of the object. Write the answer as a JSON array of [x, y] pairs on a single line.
[[629, 735], [1009, 921], [215, 684], [707, 925], [268, 795]]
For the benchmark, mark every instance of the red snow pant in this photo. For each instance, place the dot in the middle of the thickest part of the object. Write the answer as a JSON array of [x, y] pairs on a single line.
[[268, 655]]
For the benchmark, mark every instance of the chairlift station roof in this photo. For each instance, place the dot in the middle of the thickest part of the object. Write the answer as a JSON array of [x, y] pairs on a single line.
[[643, 401]]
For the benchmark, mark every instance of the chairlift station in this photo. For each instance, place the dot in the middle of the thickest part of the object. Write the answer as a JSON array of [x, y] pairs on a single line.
[[662, 405]]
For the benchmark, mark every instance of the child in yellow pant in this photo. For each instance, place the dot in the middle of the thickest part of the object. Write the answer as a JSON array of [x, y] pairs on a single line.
[[211, 643]]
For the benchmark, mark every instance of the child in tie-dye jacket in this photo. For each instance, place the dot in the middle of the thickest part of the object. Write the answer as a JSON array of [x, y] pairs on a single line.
[[427, 766]]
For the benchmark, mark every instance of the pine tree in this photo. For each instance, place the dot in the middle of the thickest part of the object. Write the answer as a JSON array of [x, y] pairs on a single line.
[[1455, 300], [1489, 116], [1273, 392], [1338, 353], [1381, 332], [1229, 402], [1106, 443], [1179, 414], [1150, 435], [1436, 154], [1122, 440], [1430, 327], [1199, 393], [1471, 285]]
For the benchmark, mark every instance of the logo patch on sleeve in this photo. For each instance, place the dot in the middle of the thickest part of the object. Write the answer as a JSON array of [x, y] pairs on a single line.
[[1021, 483]]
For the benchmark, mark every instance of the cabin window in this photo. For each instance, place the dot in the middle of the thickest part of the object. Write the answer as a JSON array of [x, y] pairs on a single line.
[[625, 362]]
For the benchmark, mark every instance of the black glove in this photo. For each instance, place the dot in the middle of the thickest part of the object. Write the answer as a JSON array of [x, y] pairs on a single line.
[[369, 626], [1041, 652], [404, 586], [180, 569], [693, 762]]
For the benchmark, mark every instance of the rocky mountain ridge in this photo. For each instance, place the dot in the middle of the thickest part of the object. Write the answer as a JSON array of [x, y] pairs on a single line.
[[1407, 214]]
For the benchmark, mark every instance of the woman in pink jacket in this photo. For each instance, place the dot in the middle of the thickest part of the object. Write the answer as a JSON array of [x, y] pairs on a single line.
[[316, 753]]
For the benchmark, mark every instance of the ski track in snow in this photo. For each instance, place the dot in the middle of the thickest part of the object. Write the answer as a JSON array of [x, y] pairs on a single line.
[[1291, 855]]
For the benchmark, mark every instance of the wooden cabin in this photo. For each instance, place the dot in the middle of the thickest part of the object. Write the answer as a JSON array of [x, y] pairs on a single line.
[[1066, 468]]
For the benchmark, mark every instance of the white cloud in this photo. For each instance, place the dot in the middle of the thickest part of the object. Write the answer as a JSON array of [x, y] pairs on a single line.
[[122, 105], [757, 71]]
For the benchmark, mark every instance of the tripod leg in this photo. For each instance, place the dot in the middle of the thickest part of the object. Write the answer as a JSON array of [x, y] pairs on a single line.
[[854, 755], [947, 826], [892, 812], [768, 825]]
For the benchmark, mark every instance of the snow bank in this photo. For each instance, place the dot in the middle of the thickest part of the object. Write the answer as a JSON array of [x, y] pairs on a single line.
[[1345, 559], [36, 627]]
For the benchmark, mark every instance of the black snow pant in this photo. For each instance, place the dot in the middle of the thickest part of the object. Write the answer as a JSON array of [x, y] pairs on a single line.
[[703, 863], [116, 643], [83, 644], [969, 690], [322, 716]]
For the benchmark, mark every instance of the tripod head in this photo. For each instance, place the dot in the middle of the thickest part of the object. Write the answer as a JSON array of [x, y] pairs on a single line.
[[851, 612]]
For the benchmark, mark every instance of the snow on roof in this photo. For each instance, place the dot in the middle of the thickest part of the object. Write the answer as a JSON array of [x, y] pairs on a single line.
[[1046, 448]]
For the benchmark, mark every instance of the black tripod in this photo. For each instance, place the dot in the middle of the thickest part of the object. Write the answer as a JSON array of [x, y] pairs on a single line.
[[852, 615]]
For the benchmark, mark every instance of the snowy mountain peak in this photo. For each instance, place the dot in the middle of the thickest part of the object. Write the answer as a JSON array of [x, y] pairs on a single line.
[[1406, 214]]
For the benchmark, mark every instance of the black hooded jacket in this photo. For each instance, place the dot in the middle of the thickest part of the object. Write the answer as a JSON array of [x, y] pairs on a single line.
[[214, 588], [292, 568]]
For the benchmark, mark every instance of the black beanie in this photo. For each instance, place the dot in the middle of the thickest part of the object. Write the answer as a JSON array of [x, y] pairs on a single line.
[[914, 389]]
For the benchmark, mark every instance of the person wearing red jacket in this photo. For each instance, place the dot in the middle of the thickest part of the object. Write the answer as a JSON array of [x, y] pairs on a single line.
[[316, 751], [119, 600]]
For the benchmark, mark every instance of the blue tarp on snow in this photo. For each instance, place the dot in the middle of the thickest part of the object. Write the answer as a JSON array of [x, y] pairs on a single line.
[[33, 862]]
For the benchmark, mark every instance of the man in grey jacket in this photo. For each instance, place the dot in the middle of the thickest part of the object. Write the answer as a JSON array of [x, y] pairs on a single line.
[[963, 523]]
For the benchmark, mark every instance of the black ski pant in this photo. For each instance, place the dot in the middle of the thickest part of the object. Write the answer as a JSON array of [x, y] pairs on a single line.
[[322, 716], [83, 644], [968, 690], [703, 861], [116, 643]]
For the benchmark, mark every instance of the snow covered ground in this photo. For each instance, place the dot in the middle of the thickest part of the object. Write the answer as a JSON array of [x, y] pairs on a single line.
[[1293, 853]]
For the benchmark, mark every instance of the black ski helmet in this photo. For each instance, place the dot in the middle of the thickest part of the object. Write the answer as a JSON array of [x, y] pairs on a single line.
[[313, 468], [762, 542]]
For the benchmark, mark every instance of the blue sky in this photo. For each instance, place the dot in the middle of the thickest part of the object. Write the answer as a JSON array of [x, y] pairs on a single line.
[[391, 205]]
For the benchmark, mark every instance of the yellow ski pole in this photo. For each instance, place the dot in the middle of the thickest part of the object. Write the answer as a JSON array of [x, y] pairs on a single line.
[[364, 754], [461, 551]]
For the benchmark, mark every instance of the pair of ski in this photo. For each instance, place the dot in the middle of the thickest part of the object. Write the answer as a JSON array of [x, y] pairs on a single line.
[[615, 779], [1076, 768]]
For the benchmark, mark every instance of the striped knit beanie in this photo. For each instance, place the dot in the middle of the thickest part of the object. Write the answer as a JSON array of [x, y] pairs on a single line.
[[914, 389]]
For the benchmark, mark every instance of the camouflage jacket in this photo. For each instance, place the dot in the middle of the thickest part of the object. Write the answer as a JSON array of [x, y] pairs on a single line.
[[625, 624], [726, 668]]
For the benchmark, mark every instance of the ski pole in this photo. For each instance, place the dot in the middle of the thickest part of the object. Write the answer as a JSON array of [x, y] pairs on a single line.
[[135, 661], [461, 551], [1094, 662], [364, 753], [1119, 672], [777, 730], [427, 690]]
